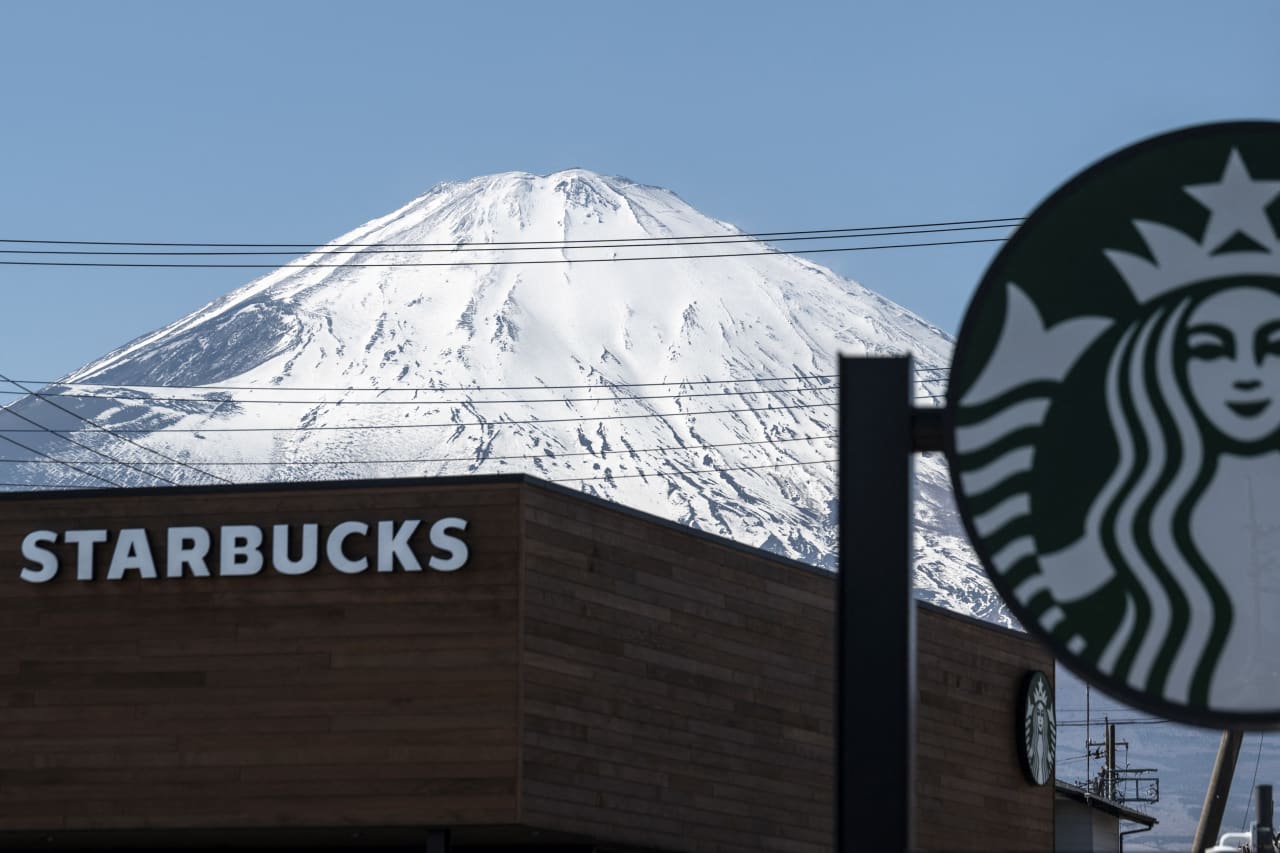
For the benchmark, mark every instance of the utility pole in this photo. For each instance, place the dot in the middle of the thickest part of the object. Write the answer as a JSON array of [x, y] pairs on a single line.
[[1111, 758], [1215, 799], [1088, 736]]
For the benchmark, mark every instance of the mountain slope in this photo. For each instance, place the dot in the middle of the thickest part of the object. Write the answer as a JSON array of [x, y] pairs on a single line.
[[458, 365]]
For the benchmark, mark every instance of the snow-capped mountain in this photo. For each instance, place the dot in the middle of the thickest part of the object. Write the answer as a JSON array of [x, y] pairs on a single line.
[[637, 381]]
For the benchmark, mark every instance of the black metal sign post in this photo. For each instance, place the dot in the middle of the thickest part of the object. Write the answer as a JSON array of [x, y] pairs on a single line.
[[876, 650]]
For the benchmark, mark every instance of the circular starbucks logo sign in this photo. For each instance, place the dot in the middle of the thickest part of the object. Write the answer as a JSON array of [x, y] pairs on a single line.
[[1038, 725], [1114, 411]]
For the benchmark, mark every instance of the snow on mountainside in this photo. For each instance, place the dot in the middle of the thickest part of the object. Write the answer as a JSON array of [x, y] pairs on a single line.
[[454, 368]]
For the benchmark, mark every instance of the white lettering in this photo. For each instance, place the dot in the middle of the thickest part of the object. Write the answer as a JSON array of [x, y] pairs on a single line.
[[337, 557], [84, 540], [393, 545], [240, 551], [132, 554], [188, 549], [48, 561], [452, 545], [280, 549]]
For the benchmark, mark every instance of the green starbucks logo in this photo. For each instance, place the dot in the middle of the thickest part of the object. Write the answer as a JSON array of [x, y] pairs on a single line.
[[1115, 423], [1039, 729]]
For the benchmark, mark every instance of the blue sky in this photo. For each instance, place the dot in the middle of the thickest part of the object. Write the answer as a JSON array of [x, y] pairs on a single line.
[[295, 121]]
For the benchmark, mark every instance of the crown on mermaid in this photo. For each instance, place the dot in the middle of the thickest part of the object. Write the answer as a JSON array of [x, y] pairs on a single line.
[[1040, 694], [1237, 204]]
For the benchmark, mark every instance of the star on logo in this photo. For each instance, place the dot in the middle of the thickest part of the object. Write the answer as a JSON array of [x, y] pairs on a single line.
[[1237, 204]]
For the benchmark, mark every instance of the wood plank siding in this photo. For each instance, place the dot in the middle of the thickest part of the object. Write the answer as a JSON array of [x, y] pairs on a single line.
[[592, 674], [264, 701], [675, 689], [971, 793]]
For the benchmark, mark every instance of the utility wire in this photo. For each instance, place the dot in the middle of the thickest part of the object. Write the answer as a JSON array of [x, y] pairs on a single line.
[[697, 471], [799, 377], [1012, 220], [1096, 711], [405, 248], [600, 454], [49, 487], [1133, 722], [453, 424], [457, 424], [97, 426], [238, 401], [73, 467], [603, 386], [65, 435], [1249, 804], [218, 401], [307, 266], [425, 402], [694, 471]]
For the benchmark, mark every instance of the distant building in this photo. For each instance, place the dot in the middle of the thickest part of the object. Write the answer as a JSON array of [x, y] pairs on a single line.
[[1088, 823]]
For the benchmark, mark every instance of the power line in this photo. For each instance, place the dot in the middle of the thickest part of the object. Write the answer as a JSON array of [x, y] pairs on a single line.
[[410, 248], [344, 402], [698, 471], [238, 401], [1094, 711], [44, 455], [1249, 804], [686, 471], [602, 385], [799, 377], [600, 454], [111, 433], [452, 424], [457, 424], [48, 487], [306, 266], [1012, 220], [65, 435], [1132, 722]]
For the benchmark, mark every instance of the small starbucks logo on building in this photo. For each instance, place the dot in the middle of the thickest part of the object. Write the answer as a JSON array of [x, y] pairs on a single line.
[[1039, 726], [1115, 408]]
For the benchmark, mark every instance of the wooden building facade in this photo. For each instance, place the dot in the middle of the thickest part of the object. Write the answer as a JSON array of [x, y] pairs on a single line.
[[480, 663]]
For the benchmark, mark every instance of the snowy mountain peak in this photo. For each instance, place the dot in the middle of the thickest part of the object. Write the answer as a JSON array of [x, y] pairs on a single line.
[[573, 204], [587, 347]]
